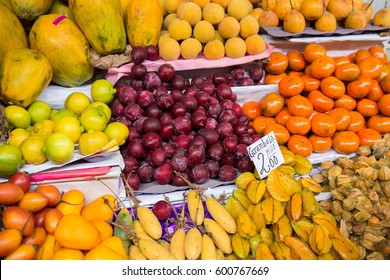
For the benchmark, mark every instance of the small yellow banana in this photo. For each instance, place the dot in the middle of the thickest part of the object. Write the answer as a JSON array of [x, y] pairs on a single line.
[[208, 248], [195, 207], [152, 250], [219, 255], [241, 246], [149, 222], [193, 244], [218, 235], [177, 244], [164, 243], [221, 215], [135, 253], [299, 248], [263, 252], [139, 232]]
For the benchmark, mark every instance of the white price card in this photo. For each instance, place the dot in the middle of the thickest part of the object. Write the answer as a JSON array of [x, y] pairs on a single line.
[[265, 154]]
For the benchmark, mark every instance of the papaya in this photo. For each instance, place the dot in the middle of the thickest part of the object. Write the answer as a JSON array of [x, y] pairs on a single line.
[[24, 74], [12, 33], [30, 9], [144, 20], [101, 22], [7, 3], [60, 7], [65, 46]]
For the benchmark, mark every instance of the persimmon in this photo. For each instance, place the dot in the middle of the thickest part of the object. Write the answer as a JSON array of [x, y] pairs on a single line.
[[260, 123], [370, 66], [360, 55], [360, 87], [384, 105], [332, 87], [345, 101], [367, 107], [380, 123], [320, 144], [282, 116], [368, 136], [339, 60], [301, 145], [300, 106], [271, 104], [298, 125], [271, 79], [345, 142], [296, 61], [378, 52], [323, 125], [310, 83], [251, 109], [385, 84], [342, 118], [277, 63], [312, 51], [290, 86], [376, 91], [281, 133], [357, 121], [322, 67], [320, 101], [347, 72]]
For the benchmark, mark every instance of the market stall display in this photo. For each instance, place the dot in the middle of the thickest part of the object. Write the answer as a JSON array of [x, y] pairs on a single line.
[[133, 141]]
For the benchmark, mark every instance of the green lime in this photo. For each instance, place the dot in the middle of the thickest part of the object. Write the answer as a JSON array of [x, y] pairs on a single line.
[[102, 106], [59, 148], [93, 118], [102, 90], [56, 116], [39, 110], [17, 116]]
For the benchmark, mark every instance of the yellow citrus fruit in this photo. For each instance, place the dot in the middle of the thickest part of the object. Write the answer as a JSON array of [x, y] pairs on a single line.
[[93, 119], [77, 102], [32, 150], [214, 50], [59, 148], [169, 49], [43, 128], [117, 131], [190, 48], [16, 136], [235, 47], [39, 110], [92, 141], [57, 115], [102, 106], [17, 116], [69, 126]]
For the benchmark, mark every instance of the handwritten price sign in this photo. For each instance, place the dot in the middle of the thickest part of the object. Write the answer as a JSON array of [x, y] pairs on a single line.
[[266, 154]]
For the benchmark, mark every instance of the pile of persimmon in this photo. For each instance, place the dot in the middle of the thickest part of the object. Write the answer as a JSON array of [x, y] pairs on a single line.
[[325, 102]]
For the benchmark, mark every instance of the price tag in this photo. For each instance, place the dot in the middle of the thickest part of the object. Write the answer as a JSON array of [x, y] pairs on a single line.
[[266, 154]]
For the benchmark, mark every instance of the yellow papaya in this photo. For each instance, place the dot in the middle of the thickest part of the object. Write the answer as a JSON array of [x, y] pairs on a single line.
[[65, 46], [101, 22], [144, 19], [24, 74], [12, 33], [30, 9], [62, 8]]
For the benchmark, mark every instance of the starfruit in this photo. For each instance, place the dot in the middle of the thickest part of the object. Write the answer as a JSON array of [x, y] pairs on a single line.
[[281, 185], [245, 225], [240, 245], [319, 240], [302, 165], [280, 250], [288, 157], [302, 229], [254, 242], [282, 228], [263, 252], [255, 190], [244, 179], [240, 196], [345, 247], [233, 207], [287, 169], [257, 216], [272, 209], [294, 207], [267, 236], [326, 219], [310, 183], [310, 205], [300, 250], [327, 256]]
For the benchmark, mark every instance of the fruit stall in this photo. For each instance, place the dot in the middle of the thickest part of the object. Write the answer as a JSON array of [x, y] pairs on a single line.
[[194, 130]]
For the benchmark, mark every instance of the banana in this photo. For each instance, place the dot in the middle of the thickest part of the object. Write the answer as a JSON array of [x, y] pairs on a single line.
[[164, 243], [193, 244], [303, 229], [272, 209], [177, 244], [244, 179], [123, 219], [310, 183], [240, 196], [282, 228], [254, 242], [149, 222], [326, 219], [302, 165], [255, 190], [299, 249], [233, 207], [208, 248], [221, 215], [231, 257], [219, 255], [218, 235], [319, 240], [281, 185], [294, 207], [280, 250], [241, 246], [288, 157], [152, 250], [267, 236], [135, 253], [257, 216], [140, 232], [245, 225], [195, 207], [345, 247], [310, 205], [263, 252]]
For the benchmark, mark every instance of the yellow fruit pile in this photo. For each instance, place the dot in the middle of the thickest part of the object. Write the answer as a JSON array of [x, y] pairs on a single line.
[[216, 28]]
